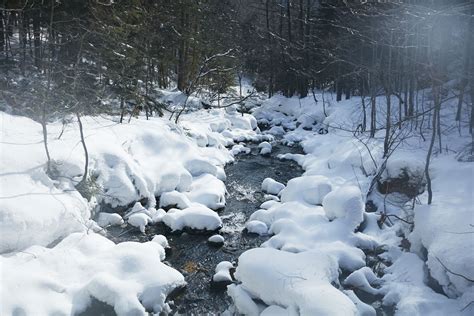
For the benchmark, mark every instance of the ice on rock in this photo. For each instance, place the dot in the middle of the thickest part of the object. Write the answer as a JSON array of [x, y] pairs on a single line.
[[265, 151], [139, 220], [309, 189], [216, 239], [195, 217], [256, 227], [174, 199], [271, 186], [345, 203], [109, 219]]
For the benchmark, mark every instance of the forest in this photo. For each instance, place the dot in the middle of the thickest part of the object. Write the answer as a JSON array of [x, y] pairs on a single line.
[[256, 157]]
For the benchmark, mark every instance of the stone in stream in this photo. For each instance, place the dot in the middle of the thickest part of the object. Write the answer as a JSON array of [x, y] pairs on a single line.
[[216, 240], [224, 276]]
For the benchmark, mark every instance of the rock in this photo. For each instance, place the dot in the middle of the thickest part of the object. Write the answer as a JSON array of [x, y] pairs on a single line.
[[216, 240], [224, 275], [271, 186]]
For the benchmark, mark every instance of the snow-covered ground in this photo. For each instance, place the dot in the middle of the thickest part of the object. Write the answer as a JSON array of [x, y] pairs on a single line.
[[320, 229], [323, 250], [53, 256]]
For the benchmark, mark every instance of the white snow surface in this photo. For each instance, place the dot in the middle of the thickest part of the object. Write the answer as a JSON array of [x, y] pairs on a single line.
[[314, 225], [195, 217], [62, 280], [271, 186]]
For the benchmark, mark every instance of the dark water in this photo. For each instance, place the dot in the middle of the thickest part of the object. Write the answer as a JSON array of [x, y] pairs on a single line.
[[193, 256]]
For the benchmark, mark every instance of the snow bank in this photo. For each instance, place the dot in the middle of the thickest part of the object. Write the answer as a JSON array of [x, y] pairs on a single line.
[[62, 280]]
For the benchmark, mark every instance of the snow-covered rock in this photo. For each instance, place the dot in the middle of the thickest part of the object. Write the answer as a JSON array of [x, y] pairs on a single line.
[[195, 217], [256, 227], [217, 240], [174, 199], [109, 219], [206, 189], [62, 280], [139, 220], [265, 148], [265, 273], [309, 189], [223, 272], [345, 203], [271, 186]]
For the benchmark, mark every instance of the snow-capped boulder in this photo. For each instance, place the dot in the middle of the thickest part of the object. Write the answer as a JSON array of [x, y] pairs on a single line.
[[345, 203], [174, 199], [197, 217], [271, 186], [403, 175], [310, 189], [256, 227], [223, 275], [139, 220], [109, 219], [216, 240]]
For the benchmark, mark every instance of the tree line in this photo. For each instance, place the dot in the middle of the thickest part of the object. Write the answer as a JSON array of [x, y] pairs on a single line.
[[100, 56]]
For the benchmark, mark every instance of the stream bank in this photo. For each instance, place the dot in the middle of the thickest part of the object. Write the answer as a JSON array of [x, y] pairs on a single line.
[[193, 255]]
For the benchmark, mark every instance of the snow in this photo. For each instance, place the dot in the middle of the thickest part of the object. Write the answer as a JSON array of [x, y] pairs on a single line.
[[271, 186], [161, 240], [175, 199], [223, 272], [216, 239], [139, 220], [345, 203], [62, 280], [256, 227], [206, 189], [265, 148], [308, 189], [107, 219], [196, 217], [286, 279]]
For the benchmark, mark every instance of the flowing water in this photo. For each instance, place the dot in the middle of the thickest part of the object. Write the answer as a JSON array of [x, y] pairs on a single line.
[[193, 256]]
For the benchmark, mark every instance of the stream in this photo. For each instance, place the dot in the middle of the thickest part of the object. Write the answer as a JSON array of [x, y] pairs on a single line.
[[193, 255]]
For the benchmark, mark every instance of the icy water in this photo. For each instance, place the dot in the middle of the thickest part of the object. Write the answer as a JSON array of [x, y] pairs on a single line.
[[193, 256]]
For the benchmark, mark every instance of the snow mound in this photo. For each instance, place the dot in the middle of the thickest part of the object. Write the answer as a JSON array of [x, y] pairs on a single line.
[[264, 274], [265, 148], [207, 190], [139, 220], [62, 280], [108, 219], [309, 189], [223, 272], [174, 199], [195, 217], [216, 239], [256, 227], [345, 203], [271, 186]]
